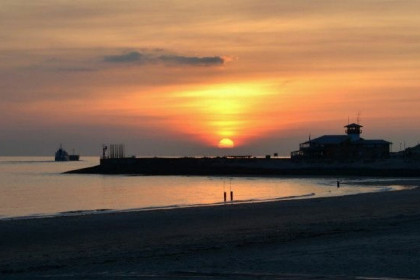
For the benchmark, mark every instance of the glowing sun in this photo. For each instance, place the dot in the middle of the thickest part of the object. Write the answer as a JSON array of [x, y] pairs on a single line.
[[226, 143]]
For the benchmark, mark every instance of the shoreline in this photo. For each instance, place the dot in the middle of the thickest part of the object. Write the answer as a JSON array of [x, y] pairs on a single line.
[[388, 185], [377, 233], [156, 208]]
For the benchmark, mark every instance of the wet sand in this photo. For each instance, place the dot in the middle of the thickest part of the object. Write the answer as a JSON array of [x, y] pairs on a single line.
[[368, 235]]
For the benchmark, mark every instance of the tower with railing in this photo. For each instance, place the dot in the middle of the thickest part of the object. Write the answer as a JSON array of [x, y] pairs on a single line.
[[354, 130]]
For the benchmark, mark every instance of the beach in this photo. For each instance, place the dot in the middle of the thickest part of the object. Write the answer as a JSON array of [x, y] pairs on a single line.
[[364, 235]]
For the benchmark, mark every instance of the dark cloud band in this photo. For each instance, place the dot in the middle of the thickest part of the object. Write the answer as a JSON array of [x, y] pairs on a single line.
[[142, 58], [192, 60], [124, 58]]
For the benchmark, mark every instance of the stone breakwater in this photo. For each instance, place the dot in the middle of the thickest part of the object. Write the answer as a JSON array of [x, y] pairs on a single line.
[[226, 166]]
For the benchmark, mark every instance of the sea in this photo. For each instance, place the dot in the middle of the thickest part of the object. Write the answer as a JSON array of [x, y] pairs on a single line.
[[36, 187]]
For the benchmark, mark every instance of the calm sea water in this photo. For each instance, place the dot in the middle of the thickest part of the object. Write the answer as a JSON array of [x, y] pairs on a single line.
[[35, 186]]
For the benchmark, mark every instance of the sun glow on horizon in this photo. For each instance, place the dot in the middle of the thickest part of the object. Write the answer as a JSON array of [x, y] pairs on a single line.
[[243, 111], [226, 143], [226, 111]]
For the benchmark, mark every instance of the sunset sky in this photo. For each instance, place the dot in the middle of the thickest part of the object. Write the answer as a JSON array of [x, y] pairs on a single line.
[[176, 77]]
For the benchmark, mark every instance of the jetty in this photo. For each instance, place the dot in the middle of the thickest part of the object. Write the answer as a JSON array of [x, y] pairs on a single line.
[[228, 166], [328, 155]]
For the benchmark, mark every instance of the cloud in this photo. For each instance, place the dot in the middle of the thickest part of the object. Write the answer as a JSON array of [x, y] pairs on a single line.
[[74, 69], [125, 58], [146, 57], [192, 60]]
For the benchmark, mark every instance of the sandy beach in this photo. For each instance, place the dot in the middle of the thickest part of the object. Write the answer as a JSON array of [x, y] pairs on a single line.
[[367, 235]]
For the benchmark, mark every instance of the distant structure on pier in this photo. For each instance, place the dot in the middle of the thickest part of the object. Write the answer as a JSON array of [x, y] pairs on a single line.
[[114, 151], [343, 147], [412, 152]]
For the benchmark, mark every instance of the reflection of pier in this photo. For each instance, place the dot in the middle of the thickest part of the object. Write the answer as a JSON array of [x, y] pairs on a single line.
[[239, 156]]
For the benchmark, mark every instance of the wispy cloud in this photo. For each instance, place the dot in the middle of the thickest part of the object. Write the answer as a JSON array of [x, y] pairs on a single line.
[[125, 58], [168, 59], [193, 60]]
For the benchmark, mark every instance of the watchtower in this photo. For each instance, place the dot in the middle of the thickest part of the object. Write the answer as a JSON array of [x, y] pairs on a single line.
[[354, 130]]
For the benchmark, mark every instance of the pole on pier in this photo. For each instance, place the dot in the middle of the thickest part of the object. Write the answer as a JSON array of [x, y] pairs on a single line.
[[338, 183], [224, 191], [230, 189]]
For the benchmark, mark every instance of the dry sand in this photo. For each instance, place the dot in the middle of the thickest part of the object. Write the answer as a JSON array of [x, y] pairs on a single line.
[[368, 235]]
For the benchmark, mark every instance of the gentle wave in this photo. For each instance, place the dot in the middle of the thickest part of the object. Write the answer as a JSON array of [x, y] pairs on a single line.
[[178, 206], [25, 161], [151, 208]]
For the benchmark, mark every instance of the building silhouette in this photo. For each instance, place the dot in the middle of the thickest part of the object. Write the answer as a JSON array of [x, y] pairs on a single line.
[[412, 152], [349, 146]]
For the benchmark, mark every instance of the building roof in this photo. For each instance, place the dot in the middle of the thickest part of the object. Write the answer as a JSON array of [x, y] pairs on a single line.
[[329, 139], [338, 139], [415, 149], [353, 125], [380, 141]]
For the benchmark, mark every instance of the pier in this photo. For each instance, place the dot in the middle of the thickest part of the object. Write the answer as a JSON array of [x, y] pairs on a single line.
[[227, 166]]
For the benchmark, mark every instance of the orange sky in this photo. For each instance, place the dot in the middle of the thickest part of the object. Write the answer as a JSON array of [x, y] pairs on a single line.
[[176, 77]]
